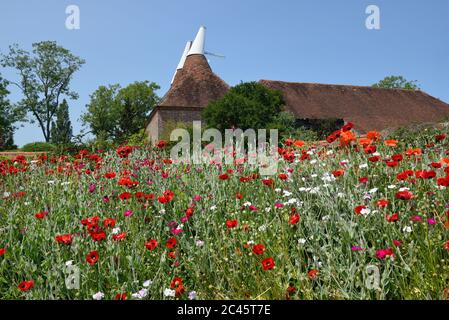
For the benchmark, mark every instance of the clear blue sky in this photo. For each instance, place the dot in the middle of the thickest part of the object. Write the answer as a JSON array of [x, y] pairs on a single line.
[[305, 41]]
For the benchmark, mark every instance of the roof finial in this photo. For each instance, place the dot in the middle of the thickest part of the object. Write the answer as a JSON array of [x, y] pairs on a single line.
[[198, 43], [183, 58]]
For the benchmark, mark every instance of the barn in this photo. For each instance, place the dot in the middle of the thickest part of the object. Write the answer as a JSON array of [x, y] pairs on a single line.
[[194, 85]]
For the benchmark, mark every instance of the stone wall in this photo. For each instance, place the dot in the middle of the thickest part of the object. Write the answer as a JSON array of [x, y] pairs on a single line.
[[163, 115]]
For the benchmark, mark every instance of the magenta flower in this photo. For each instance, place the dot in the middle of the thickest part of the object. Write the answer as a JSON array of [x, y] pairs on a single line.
[[431, 221], [356, 248], [128, 213]]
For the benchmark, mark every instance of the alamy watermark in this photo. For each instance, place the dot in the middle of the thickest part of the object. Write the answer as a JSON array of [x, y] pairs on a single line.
[[372, 22], [253, 147], [72, 22]]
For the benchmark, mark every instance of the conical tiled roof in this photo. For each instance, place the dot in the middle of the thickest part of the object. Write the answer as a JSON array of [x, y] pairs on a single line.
[[195, 85]]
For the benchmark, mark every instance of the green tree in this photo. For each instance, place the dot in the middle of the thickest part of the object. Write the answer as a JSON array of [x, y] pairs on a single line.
[[7, 117], [247, 105], [44, 78], [61, 130], [115, 113], [397, 82]]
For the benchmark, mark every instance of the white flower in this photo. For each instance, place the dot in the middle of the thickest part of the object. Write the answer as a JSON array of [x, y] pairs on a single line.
[[169, 292], [262, 228], [199, 243], [340, 195], [407, 229], [313, 175], [391, 186], [363, 166], [313, 161], [268, 209], [69, 263], [329, 152], [302, 189], [98, 296], [162, 211], [325, 218], [250, 242], [278, 190], [65, 183], [404, 189], [373, 190], [287, 193], [301, 241], [365, 211], [147, 283], [116, 230], [6, 194], [51, 182], [192, 295], [213, 208], [141, 294]]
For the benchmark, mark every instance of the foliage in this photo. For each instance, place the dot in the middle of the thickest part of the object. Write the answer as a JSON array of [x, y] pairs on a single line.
[[397, 82], [7, 118], [247, 105], [44, 78], [138, 139], [115, 113], [38, 147], [61, 130]]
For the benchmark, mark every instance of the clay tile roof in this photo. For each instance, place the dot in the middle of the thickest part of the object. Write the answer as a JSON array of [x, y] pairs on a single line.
[[367, 107], [195, 85]]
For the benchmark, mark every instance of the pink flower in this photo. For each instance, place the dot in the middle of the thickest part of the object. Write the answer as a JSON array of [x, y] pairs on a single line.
[[416, 219], [184, 219], [92, 187], [278, 205], [356, 248], [431, 221], [197, 198], [383, 253], [397, 243], [128, 213]]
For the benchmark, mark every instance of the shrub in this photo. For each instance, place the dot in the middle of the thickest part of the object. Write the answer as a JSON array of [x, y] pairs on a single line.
[[38, 147]]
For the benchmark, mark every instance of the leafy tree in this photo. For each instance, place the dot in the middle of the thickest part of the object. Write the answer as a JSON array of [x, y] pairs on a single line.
[[115, 113], [44, 78], [397, 82], [247, 105], [61, 130], [7, 117]]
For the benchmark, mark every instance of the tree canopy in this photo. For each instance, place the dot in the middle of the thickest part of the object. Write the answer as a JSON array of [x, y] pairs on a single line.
[[397, 82], [247, 105], [7, 117], [61, 130], [44, 77], [115, 113]]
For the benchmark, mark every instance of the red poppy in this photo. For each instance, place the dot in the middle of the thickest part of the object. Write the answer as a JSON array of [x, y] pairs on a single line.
[[363, 180], [374, 159], [312, 274], [446, 245], [125, 196], [268, 263], [358, 209], [161, 144], [177, 281], [268, 182], [392, 217], [440, 137], [443, 182], [120, 296], [26, 285], [98, 235], [110, 175], [258, 249], [2, 251], [151, 244], [239, 196], [370, 149], [171, 243], [109, 223], [41, 215], [64, 239], [283, 176], [92, 257], [172, 255], [338, 173], [404, 195], [119, 237], [294, 219], [382, 203], [231, 224], [223, 176]]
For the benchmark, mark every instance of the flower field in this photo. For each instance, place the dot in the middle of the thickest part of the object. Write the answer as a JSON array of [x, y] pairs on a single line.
[[352, 218]]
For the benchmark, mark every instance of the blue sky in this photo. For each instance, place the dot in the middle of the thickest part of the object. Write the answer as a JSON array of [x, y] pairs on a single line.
[[322, 41]]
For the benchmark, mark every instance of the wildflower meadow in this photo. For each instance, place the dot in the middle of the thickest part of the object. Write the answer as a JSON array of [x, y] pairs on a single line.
[[347, 218]]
